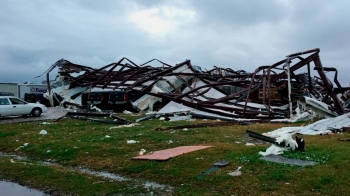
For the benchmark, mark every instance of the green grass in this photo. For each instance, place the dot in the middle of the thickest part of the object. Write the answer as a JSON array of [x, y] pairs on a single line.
[[78, 143]]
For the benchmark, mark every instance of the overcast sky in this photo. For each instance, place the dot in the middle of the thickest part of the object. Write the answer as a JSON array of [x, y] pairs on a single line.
[[236, 34]]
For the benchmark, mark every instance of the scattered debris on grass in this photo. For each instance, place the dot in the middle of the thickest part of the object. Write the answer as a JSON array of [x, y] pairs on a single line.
[[237, 172], [43, 132], [213, 168]]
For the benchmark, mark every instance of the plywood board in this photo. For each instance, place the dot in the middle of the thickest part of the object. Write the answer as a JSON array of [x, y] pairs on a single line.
[[163, 155]]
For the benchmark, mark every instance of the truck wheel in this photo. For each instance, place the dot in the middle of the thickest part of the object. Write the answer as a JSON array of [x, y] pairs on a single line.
[[36, 112]]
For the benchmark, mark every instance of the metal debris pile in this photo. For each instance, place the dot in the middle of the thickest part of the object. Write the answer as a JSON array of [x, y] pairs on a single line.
[[278, 91]]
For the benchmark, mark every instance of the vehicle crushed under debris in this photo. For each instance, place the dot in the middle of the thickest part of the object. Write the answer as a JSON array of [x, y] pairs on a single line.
[[284, 91]]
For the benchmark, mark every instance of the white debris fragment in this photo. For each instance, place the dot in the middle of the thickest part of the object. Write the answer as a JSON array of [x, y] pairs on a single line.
[[289, 142], [170, 142], [48, 151], [131, 141], [43, 132], [25, 144], [107, 136], [127, 112], [18, 148], [273, 150], [162, 118], [122, 126], [237, 172], [45, 123], [96, 108], [178, 118], [249, 144], [142, 151], [185, 129]]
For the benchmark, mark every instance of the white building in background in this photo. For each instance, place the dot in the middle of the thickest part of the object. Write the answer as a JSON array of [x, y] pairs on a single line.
[[11, 88], [18, 90]]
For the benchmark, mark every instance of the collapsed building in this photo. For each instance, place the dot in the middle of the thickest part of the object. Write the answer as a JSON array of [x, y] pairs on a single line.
[[276, 91]]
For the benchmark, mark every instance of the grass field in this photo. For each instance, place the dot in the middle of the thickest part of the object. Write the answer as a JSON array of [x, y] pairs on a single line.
[[72, 143]]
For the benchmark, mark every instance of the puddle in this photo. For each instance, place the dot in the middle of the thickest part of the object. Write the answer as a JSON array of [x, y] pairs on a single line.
[[146, 184], [13, 189]]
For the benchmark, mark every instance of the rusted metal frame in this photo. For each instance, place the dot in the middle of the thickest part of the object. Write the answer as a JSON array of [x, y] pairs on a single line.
[[231, 96], [268, 92], [111, 86], [60, 63], [65, 65], [170, 84], [148, 88], [48, 77], [342, 90], [196, 94], [239, 110], [204, 107], [264, 90], [204, 86], [324, 78], [161, 73], [317, 50], [99, 76], [144, 79], [198, 106], [111, 70], [261, 67], [233, 71], [124, 58], [155, 60], [82, 77], [309, 76], [210, 124], [268, 83], [329, 86], [114, 76], [105, 74], [296, 66], [132, 75], [335, 75], [251, 84], [200, 103], [201, 94]]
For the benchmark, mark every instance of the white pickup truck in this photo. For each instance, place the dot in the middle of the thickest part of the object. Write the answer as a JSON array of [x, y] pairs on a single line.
[[13, 106]]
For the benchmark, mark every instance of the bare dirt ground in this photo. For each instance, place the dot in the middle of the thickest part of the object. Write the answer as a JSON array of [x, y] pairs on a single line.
[[52, 113]]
